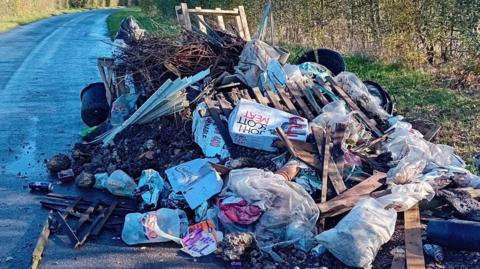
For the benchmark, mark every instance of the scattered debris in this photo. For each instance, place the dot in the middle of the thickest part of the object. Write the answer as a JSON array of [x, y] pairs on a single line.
[[58, 163]]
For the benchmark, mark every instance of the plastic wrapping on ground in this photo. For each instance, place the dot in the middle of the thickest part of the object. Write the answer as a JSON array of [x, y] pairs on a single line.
[[118, 183], [411, 154], [359, 235], [207, 135], [336, 112], [355, 88], [154, 185], [405, 196], [462, 177], [122, 108], [254, 59], [237, 210], [290, 214], [274, 75], [158, 226]]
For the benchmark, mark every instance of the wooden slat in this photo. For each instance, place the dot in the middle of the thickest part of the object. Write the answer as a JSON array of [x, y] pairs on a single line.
[[186, 16], [320, 95], [273, 98], [216, 11], [259, 96], [346, 200], [320, 139], [309, 95], [233, 97], [245, 94], [413, 239], [238, 21], [281, 134], [220, 21], [286, 100], [339, 91], [337, 151], [201, 21], [298, 98], [305, 156], [224, 104], [214, 112], [335, 177], [243, 19]]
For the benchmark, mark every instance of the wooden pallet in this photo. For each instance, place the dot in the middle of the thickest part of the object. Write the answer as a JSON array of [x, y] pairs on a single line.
[[183, 17]]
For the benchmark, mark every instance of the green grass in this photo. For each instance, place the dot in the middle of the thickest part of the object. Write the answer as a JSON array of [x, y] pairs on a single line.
[[158, 25], [12, 22], [417, 96]]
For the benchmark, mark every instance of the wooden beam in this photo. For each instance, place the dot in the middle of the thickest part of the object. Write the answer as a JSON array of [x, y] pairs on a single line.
[[238, 20], [273, 98], [41, 244], [186, 16], [347, 200], [243, 19], [337, 151], [298, 98], [321, 139], [413, 239], [336, 177], [259, 96], [216, 11], [201, 21], [286, 100], [220, 21]]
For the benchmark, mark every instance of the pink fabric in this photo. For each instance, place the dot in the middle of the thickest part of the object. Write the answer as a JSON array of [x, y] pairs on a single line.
[[237, 210]]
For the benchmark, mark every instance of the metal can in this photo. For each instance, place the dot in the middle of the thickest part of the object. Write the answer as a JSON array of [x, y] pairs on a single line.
[[40, 186]]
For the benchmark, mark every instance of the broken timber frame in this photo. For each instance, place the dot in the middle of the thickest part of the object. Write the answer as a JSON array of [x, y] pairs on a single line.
[[183, 17]]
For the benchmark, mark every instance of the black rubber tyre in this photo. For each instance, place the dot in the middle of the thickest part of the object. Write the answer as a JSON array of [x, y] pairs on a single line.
[[329, 58]]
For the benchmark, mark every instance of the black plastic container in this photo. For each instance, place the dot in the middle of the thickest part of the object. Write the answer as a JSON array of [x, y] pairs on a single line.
[[95, 108], [457, 234]]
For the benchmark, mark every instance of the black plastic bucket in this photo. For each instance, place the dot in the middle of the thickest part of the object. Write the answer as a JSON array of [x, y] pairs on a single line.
[[457, 234], [95, 108]]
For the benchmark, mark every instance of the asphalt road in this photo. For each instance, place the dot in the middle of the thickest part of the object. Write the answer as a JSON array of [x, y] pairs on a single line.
[[43, 67]]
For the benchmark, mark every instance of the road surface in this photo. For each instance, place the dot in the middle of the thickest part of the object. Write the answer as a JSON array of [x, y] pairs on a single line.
[[43, 67]]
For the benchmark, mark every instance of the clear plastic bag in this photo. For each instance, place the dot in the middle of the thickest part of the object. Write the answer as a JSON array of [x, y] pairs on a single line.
[[158, 226], [290, 214], [359, 235], [118, 183], [355, 88], [154, 185], [405, 196]]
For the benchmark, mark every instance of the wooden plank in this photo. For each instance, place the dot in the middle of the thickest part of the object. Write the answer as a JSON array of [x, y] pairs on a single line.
[[305, 156], [298, 98], [224, 104], [41, 244], [243, 19], [214, 112], [319, 95], [201, 21], [346, 200], [186, 17], [259, 96], [233, 97], [320, 139], [286, 100], [216, 11], [336, 177], [106, 215], [238, 21], [413, 239], [308, 93], [220, 21], [287, 142], [273, 98], [337, 151], [339, 91], [245, 94]]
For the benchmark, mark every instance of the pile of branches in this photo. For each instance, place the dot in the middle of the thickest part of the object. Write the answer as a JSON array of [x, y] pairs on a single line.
[[153, 59]]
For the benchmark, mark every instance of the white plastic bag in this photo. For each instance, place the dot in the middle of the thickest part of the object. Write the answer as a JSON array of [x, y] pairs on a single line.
[[359, 235], [158, 226], [122, 108], [290, 214], [403, 197], [155, 185], [207, 135], [355, 88], [118, 183]]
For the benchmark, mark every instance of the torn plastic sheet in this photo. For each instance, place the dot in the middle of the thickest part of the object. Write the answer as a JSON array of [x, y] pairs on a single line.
[[237, 210], [153, 185], [355, 88], [462, 177], [404, 197], [207, 135], [118, 183], [290, 214], [196, 180], [411, 154], [335, 113], [274, 75]]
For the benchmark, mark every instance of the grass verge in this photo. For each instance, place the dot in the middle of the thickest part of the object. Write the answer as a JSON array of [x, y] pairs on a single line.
[[12, 22], [164, 27]]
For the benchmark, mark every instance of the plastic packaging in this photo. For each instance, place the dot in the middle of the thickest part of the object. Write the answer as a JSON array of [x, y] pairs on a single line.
[[253, 125], [336, 112], [462, 177], [158, 226], [411, 154], [359, 235], [122, 108], [207, 135], [403, 197], [290, 214], [118, 183], [196, 180], [153, 184], [235, 209], [434, 251]]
